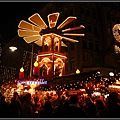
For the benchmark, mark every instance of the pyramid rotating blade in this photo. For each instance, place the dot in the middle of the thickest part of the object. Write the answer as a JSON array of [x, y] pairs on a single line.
[[23, 33], [73, 34], [25, 25], [63, 44], [38, 42], [52, 19], [69, 39], [74, 28], [66, 21], [36, 19], [31, 39]]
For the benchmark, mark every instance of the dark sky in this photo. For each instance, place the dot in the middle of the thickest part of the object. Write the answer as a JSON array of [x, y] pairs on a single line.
[[11, 13]]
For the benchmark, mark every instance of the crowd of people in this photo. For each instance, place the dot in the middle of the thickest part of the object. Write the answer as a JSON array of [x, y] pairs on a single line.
[[74, 106]]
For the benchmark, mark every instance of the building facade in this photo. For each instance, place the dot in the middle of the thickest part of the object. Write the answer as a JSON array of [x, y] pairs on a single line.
[[96, 49]]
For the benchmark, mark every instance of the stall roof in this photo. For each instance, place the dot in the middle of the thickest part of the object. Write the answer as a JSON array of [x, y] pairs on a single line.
[[69, 79]]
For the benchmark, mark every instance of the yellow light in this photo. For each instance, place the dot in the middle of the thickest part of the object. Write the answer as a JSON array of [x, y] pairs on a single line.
[[60, 74], [36, 64], [72, 34], [21, 70], [77, 71]]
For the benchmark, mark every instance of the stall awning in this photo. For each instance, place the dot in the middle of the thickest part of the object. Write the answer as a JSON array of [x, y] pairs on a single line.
[[69, 79]]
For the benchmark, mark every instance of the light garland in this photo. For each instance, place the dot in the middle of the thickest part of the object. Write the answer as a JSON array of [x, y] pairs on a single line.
[[116, 34]]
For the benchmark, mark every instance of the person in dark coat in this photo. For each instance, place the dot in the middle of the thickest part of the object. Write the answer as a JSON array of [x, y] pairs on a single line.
[[59, 110], [100, 106], [27, 109], [15, 106], [4, 108], [112, 109], [90, 107], [46, 111], [73, 110]]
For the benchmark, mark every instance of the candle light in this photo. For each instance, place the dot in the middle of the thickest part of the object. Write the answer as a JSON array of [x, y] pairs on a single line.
[[21, 74], [35, 68]]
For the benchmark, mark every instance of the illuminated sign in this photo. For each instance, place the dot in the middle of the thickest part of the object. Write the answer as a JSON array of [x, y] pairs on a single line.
[[29, 82]]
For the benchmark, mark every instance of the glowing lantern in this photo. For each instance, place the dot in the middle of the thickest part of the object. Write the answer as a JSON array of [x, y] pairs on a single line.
[[77, 71], [35, 68], [21, 74]]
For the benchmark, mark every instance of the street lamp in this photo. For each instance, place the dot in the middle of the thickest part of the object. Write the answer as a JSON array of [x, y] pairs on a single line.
[[12, 48]]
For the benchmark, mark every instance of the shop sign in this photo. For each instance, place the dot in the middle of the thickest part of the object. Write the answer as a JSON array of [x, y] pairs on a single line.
[[29, 82]]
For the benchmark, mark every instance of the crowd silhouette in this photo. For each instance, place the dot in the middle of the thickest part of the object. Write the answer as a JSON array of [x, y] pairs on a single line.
[[74, 106]]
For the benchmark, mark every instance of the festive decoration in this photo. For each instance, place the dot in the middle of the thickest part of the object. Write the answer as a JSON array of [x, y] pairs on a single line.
[[35, 68], [51, 60], [21, 74], [117, 49], [116, 32]]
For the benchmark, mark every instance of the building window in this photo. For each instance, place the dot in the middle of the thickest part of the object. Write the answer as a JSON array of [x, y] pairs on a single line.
[[117, 20], [94, 14], [81, 10], [90, 45], [72, 46], [84, 56], [97, 47], [95, 31], [72, 64], [67, 66], [89, 28], [108, 16], [88, 12], [84, 44], [71, 12], [96, 41], [113, 19]]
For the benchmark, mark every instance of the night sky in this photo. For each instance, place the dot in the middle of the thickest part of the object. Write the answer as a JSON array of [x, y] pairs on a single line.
[[11, 13]]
